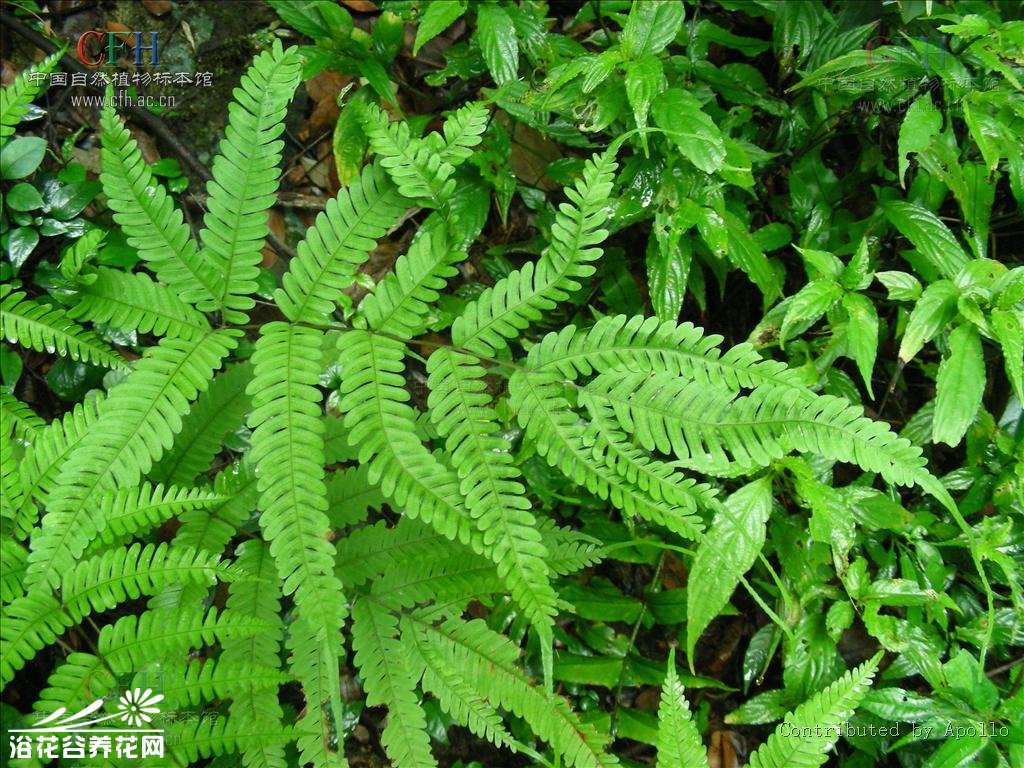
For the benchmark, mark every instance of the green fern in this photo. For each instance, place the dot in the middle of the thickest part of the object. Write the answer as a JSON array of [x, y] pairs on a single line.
[[137, 424], [245, 177], [16, 97], [148, 217], [47, 328], [336, 245], [19, 418], [134, 302], [678, 741]]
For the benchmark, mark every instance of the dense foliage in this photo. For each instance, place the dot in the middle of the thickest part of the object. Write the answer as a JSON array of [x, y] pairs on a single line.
[[503, 484]]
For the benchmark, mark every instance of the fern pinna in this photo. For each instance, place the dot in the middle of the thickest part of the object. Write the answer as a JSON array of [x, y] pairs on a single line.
[[640, 413]]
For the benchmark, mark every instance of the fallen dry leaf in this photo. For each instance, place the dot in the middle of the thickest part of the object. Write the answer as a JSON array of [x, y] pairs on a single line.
[[275, 222], [157, 7], [146, 145], [722, 752], [360, 6]]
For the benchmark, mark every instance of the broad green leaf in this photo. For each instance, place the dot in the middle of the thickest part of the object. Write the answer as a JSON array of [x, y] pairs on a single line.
[[651, 26], [679, 744], [882, 69], [959, 386], [725, 553], [644, 80], [349, 142], [902, 286], [928, 234], [20, 244], [922, 122], [497, 36], [24, 197], [669, 256], [436, 19], [679, 114], [987, 133], [935, 308], [21, 157], [813, 300], [1009, 330], [861, 334], [797, 25]]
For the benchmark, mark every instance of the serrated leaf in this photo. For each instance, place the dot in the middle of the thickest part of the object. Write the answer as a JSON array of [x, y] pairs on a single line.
[[436, 19], [812, 301], [921, 123], [644, 79], [679, 114], [959, 386], [725, 553], [669, 255], [902, 286], [929, 235], [497, 37], [1009, 330], [935, 308], [651, 26], [679, 743], [861, 334]]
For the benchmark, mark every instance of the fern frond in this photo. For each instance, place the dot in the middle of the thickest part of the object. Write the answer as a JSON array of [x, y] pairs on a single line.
[[288, 450], [101, 582], [679, 743], [135, 640], [502, 312], [463, 130], [46, 454], [314, 662], [454, 690], [486, 660], [460, 408], [417, 170], [401, 301], [29, 624], [334, 247], [245, 178], [132, 301], [204, 737], [648, 344], [350, 494], [46, 328], [211, 529], [382, 424], [808, 732], [11, 492], [218, 411], [387, 680], [554, 427], [569, 549], [12, 576], [16, 97], [19, 418], [258, 596], [148, 217], [139, 420], [80, 679], [186, 684], [128, 511], [706, 428]]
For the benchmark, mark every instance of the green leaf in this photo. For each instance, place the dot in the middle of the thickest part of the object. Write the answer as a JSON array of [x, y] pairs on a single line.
[[21, 157], [929, 235], [959, 386], [651, 26], [861, 334], [813, 300], [1009, 330], [24, 197], [20, 244], [669, 255], [921, 124], [436, 19], [679, 114], [725, 553], [902, 286], [644, 79], [497, 36], [935, 308]]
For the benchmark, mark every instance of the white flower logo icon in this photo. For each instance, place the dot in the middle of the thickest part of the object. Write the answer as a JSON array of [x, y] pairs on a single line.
[[136, 706]]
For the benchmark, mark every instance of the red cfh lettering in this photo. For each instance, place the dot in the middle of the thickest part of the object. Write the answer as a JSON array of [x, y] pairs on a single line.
[[83, 52]]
